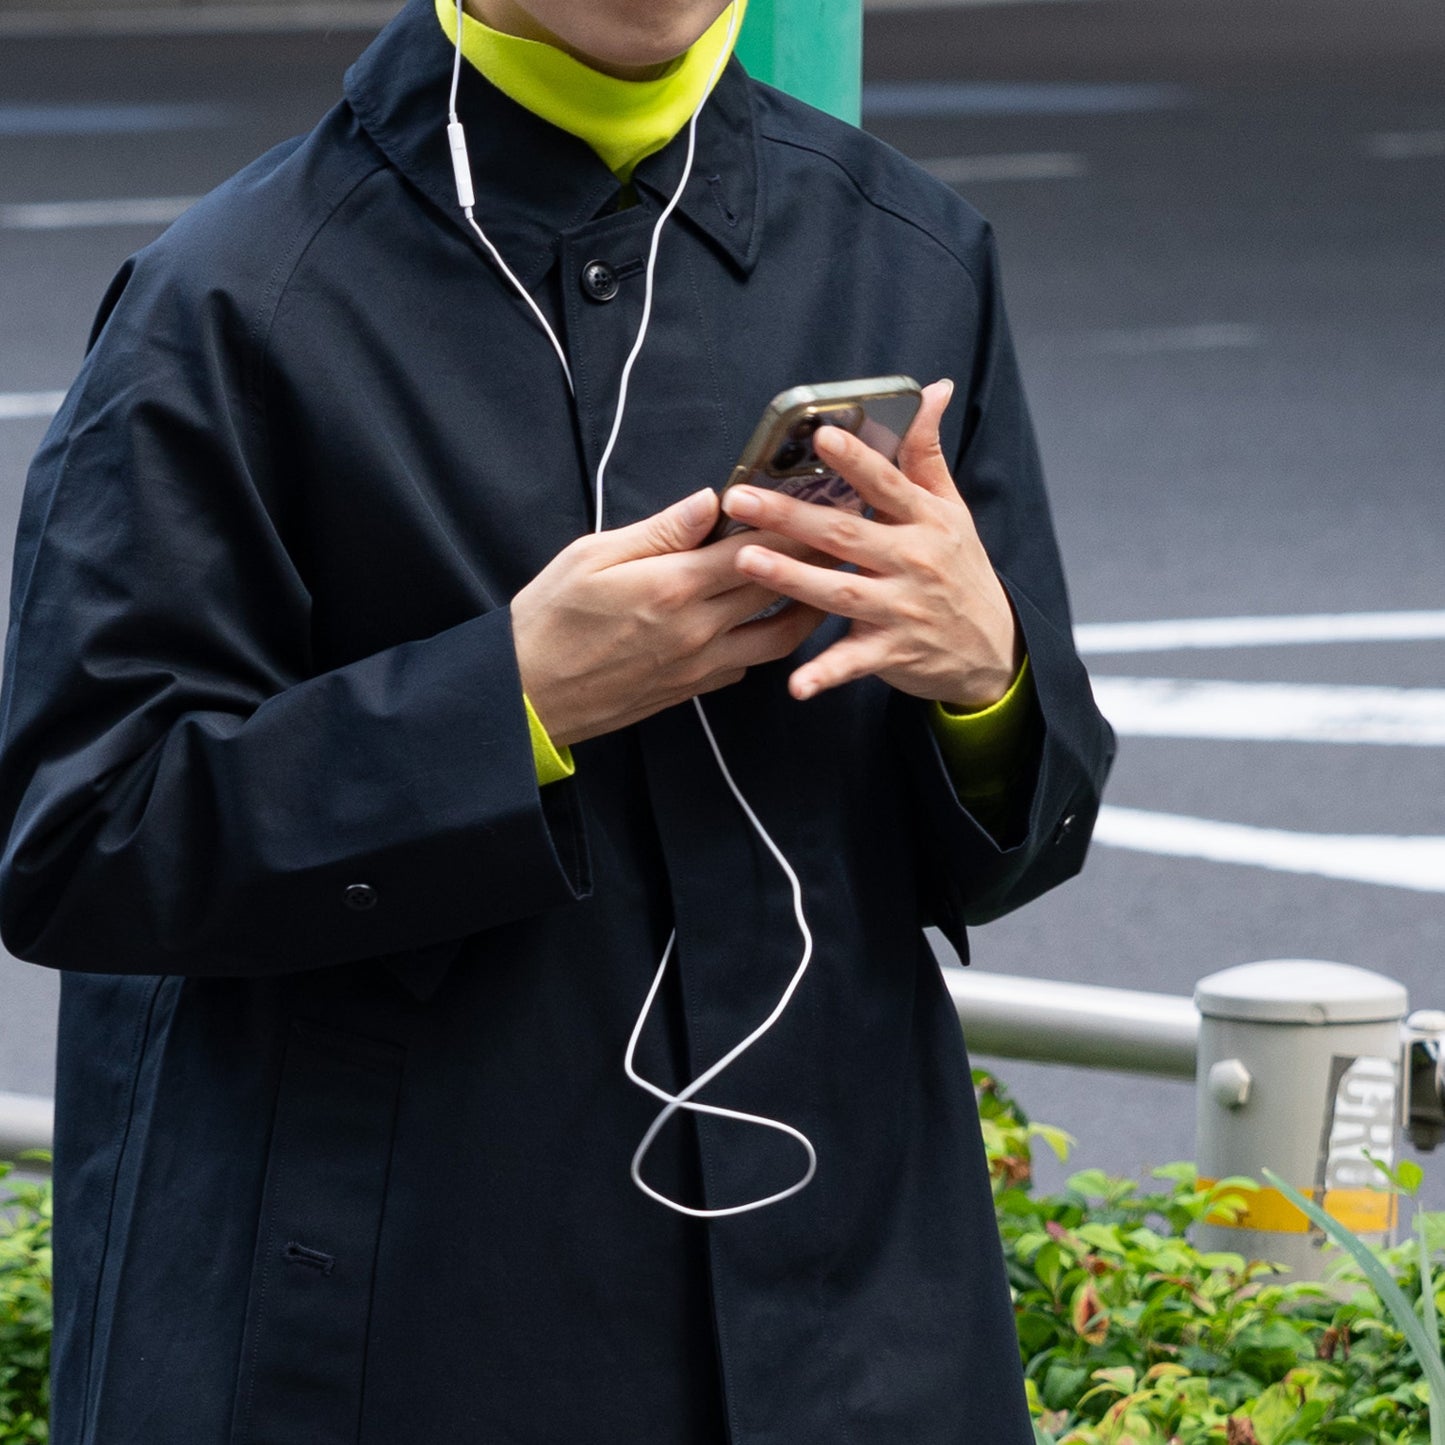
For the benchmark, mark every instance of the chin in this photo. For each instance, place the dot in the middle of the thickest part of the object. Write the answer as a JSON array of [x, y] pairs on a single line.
[[642, 37]]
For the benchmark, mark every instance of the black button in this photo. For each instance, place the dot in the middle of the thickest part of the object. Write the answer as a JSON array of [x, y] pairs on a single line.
[[360, 897], [599, 281]]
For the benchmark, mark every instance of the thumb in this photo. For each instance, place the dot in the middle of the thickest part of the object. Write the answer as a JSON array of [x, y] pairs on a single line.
[[677, 528], [920, 455]]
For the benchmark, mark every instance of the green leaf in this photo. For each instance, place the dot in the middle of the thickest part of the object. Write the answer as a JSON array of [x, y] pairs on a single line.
[[1089, 1181], [1049, 1265], [1432, 1328], [1409, 1176], [1425, 1349], [1063, 1384], [1058, 1140]]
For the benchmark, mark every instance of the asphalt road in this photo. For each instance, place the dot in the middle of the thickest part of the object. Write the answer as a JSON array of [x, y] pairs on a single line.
[[1223, 226]]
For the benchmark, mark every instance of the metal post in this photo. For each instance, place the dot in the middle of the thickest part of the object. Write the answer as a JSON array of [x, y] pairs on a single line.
[[813, 49], [1299, 1071]]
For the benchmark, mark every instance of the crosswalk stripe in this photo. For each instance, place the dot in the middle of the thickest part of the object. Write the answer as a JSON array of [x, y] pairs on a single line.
[[69, 215], [1227, 632], [29, 405], [1163, 707], [1397, 862]]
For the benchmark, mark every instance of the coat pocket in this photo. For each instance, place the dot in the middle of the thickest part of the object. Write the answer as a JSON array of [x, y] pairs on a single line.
[[303, 1354]]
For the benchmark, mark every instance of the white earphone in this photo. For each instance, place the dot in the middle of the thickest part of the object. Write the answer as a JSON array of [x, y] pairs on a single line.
[[684, 1098]]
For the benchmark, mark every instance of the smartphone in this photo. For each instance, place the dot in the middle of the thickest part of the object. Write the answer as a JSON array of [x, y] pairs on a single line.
[[780, 455]]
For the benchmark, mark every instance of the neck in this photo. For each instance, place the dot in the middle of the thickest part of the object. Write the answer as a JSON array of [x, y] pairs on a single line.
[[511, 19]]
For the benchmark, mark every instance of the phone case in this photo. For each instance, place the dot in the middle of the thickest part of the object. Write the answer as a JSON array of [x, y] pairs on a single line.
[[780, 455]]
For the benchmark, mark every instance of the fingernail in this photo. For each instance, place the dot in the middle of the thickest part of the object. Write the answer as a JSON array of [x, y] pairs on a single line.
[[948, 394], [804, 691], [697, 509], [741, 502], [756, 560]]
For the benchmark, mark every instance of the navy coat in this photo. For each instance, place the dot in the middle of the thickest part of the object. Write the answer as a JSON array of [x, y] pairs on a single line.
[[343, 1132]]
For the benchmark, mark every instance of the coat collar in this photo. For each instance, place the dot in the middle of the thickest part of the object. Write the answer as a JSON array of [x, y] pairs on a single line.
[[533, 181]]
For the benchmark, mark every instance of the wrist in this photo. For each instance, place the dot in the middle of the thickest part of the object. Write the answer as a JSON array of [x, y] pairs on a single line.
[[984, 687]]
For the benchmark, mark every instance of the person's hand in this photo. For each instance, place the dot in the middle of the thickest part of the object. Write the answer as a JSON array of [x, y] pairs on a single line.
[[624, 623], [928, 613]]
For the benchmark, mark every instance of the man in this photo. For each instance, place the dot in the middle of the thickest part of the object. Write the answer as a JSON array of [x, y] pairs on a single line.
[[351, 780]]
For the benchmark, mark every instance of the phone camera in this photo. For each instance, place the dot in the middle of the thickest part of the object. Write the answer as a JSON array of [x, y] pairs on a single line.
[[798, 447]]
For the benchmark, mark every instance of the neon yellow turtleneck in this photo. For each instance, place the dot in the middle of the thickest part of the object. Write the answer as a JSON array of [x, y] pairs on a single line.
[[624, 121]]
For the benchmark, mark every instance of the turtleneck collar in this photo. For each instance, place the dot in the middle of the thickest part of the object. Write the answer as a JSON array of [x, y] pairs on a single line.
[[623, 121], [535, 182]]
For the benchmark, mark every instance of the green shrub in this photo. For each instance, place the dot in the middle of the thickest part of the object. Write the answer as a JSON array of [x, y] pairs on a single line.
[[24, 1311], [1131, 1336]]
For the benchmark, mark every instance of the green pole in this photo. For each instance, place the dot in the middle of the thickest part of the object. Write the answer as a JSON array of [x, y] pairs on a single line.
[[811, 48]]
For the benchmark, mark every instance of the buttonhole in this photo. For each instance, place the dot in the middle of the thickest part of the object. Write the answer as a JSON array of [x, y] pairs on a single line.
[[629, 268], [728, 214], [311, 1258]]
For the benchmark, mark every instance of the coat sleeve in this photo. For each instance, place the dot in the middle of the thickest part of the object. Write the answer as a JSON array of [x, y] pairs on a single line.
[[181, 792], [972, 876]]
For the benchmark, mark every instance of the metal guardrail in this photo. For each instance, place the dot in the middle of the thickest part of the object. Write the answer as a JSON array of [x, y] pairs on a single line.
[[1015, 1018], [1007, 1017], [1086, 1025]]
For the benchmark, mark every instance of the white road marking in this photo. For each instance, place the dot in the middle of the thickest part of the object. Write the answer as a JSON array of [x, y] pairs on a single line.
[[1395, 862], [1159, 707], [1149, 341], [1021, 166], [29, 405], [31, 120], [68, 215], [1406, 145], [1227, 632], [922, 99], [104, 20]]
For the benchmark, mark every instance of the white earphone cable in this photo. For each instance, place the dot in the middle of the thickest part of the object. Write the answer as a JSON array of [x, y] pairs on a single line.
[[684, 1099], [647, 289]]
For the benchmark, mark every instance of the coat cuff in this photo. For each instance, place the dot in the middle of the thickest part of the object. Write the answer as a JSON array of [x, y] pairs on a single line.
[[973, 875]]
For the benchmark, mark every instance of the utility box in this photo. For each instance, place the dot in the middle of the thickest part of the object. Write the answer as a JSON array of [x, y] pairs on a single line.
[[1300, 1072]]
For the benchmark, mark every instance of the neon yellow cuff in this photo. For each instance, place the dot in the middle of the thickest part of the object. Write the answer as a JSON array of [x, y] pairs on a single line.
[[981, 748], [552, 765]]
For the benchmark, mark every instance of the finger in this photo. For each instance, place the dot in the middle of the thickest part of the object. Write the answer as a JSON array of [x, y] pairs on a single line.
[[733, 609], [768, 640], [711, 571], [869, 473], [677, 528], [920, 456], [832, 531], [845, 594], [851, 657]]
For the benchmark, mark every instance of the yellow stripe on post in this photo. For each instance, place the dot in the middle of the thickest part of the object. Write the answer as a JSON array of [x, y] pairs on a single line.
[[1365, 1211]]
